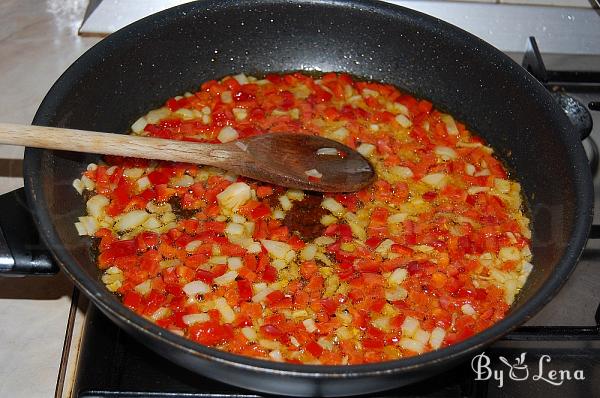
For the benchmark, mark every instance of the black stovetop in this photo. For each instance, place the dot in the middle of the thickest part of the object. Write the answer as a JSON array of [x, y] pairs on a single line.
[[112, 364]]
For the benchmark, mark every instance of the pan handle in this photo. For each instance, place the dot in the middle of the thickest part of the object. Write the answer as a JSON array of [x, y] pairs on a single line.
[[21, 250]]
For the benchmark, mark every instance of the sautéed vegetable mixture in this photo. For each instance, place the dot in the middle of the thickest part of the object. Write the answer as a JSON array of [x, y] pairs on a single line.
[[430, 254]]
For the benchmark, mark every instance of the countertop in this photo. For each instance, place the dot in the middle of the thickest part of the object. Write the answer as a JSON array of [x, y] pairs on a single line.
[[38, 41]]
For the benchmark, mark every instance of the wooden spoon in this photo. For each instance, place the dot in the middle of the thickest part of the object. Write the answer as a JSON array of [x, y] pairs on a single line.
[[287, 159]]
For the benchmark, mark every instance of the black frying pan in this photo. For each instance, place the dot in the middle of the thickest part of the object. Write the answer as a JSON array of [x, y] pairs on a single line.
[[137, 68]]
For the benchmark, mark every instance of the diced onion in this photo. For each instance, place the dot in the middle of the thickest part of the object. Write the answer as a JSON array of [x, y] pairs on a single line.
[[403, 121], [249, 333], [240, 113], [396, 294], [397, 218], [340, 134], [190, 319], [409, 326], [308, 252], [401, 171], [182, 181], [468, 309], [327, 152], [398, 276], [130, 220], [450, 124], [509, 254], [445, 152], [226, 311], [160, 313], [310, 325], [275, 248], [234, 263], [196, 287], [193, 245], [226, 278], [437, 337], [295, 194], [144, 287], [234, 229], [78, 185], [228, 134], [96, 204], [436, 180], [139, 125], [313, 173], [422, 336], [286, 203], [156, 115], [333, 206], [235, 195], [366, 149], [412, 345]]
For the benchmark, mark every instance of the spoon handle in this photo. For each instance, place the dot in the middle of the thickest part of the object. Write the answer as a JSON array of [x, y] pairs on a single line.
[[118, 144]]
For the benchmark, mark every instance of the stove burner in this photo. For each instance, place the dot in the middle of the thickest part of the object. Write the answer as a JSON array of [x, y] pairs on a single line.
[[558, 82]]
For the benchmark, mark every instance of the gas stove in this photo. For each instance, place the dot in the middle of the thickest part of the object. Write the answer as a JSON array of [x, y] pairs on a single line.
[[556, 353]]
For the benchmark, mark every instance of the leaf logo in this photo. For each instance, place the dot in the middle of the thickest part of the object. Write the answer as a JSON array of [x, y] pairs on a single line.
[[518, 371]]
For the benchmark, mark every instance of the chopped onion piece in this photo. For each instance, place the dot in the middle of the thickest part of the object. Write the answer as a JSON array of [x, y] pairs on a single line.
[[422, 336], [340, 134], [401, 171], [436, 180], [131, 220], [295, 194], [226, 98], [96, 204], [450, 124], [190, 319], [445, 152], [144, 287], [398, 276], [412, 345], [160, 313], [196, 287], [193, 245], [226, 311], [308, 252], [234, 263], [468, 309], [275, 248], [183, 181], [327, 152], [240, 113], [366, 149], [286, 203], [333, 206], [313, 173], [403, 121], [235, 195], [234, 229], [310, 325], [226, 278], [249, 333], [437, 337], [139, 125], [409, 326], [228, 134]]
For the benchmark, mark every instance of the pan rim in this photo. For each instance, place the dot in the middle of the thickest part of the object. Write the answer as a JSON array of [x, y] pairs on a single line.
[[582, 222]]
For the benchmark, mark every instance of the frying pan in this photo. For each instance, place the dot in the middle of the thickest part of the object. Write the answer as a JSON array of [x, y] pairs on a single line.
[[140, 66]]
